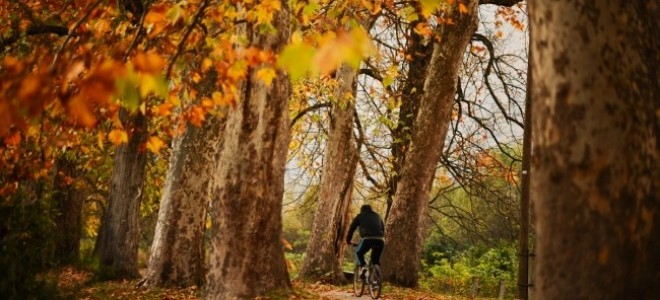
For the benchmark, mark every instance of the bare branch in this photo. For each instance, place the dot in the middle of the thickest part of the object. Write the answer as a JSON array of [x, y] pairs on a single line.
[[302, 113]]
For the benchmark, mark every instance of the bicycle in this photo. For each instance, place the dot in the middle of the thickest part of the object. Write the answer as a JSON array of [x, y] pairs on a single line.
[[373, 279]]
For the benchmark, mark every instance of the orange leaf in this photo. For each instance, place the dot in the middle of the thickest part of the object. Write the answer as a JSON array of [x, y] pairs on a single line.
[[13, 139], [154, 144], [30, 87], [164, 109], [118, 136], [149, 62], [462, 8], [80, 111]]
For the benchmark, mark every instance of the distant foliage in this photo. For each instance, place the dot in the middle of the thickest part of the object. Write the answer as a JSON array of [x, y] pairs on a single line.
[[27, 244], [473, 272]]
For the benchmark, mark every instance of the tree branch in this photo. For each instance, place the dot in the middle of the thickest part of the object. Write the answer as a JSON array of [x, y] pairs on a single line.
[[302, 113], [70, 32], [34, 29], [508, 3], [189, 30]]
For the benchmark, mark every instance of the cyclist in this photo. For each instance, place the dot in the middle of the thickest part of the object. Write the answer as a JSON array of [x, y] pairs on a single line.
[[372, 231]]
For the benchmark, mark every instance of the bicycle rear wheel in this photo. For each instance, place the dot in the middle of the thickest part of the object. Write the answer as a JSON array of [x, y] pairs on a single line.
[[358, 283], [375, 282]]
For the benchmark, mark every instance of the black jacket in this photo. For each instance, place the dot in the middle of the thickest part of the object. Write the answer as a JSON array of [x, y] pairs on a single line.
[[371, 225]]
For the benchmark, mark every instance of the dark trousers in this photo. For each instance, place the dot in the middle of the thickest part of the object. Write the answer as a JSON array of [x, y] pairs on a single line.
[[375, 245]]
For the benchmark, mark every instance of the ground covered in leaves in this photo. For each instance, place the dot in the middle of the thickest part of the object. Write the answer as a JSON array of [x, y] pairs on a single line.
[[74, 283]]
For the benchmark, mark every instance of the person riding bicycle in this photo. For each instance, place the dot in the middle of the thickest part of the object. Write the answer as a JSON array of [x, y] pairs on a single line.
[[372, 231]]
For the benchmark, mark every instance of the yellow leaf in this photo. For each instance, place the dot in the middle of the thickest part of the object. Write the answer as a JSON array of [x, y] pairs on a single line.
[[100, 140], [220, 99], [152, 84], [266, 75], [429, 6], [118, 136], [207, 63], [296, 58], [154, 144]]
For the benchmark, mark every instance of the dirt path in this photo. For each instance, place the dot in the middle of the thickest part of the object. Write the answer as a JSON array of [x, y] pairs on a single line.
[[337, 295]]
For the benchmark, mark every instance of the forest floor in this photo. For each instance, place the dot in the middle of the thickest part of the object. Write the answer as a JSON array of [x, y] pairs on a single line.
[[75, 283]]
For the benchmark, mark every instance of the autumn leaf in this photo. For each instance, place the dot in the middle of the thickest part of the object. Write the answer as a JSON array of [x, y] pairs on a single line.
[[118, 136], [153, 84], [30, 87], [296, 58], [423, 29], [154, 144], [222, 99], [164, 109], [266, 75], [80, 111], [429, 6], [150, 62], [462, 8], [13, 139]]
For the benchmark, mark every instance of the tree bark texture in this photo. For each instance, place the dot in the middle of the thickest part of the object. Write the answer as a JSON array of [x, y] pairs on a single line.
[[595, 180], [523, 243], [413, 89], [177, 252], [247, 256], [325, 249], [405, 225], [69, 202], [117, 242]]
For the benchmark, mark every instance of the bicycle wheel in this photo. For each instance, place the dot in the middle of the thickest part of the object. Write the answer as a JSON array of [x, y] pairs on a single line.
[[358, 283], [375, 282]]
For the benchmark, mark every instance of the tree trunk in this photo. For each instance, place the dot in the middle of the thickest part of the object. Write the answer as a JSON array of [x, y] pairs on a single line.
[[177, 252], [412, 92], [69, 203], [595, 180], [117, 242], [405, 226], [247, 257], [523, 243], [325, 249]]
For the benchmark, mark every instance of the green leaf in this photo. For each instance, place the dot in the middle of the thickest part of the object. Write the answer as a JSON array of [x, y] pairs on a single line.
[[128, 93]]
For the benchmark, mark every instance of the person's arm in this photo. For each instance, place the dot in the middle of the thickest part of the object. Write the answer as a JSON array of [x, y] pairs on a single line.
[[354, 225]]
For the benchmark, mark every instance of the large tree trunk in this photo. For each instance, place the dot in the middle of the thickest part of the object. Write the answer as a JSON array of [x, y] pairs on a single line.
[[69, 202], [325, 249], [420, 51], [595, 179], [117, 242], [177, 252], [405, 224], [247, 257]]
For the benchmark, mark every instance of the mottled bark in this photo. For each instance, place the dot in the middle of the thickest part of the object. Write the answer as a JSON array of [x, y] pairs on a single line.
[[177, 252], [325, 249], [420, 52], [117, 242], [405, 227], [68, 201], [595, 179], [247, 257]]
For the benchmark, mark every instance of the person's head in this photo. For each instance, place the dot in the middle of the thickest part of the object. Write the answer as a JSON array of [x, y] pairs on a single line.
[[365, 208]]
